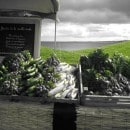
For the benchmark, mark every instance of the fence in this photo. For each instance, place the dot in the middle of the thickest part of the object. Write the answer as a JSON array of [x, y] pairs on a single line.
[[36, 116]]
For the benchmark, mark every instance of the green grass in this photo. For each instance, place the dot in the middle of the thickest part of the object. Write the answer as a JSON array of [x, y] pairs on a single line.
[[72, 57]]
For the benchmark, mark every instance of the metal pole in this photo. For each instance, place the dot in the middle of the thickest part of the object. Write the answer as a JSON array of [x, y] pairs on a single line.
[[55, 35]]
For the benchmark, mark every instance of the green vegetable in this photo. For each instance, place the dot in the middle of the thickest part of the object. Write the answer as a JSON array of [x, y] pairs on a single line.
[[31, 89], [33, 81], [3, 69], [104, 75], [21, 74]]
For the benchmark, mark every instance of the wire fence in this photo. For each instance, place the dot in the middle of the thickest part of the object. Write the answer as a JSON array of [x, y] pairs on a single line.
[[102, 118], [36, 116], [25, 116]]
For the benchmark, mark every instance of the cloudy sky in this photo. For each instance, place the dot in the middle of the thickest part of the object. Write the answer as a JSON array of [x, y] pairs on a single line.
[[90, 20]]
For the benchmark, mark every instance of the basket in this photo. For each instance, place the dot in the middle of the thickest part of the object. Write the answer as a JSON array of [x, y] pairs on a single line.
[[46, 99], [101, 100]]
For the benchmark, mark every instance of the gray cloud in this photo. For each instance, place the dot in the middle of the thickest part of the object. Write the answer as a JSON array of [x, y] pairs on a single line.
[[83, 4], [120, 6], [85, 20], [95, 11]]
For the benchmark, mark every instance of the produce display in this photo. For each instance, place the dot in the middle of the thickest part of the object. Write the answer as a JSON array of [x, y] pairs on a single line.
[[105, 75], [20, 74]]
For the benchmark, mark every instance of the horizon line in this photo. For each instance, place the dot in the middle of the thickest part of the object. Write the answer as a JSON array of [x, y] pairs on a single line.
[[90, 41]]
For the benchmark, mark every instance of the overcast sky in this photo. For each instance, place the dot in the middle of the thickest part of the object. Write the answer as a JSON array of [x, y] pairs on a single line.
[[90, 20]]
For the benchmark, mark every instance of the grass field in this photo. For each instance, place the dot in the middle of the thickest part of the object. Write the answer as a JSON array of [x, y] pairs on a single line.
[[72, 57]]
